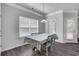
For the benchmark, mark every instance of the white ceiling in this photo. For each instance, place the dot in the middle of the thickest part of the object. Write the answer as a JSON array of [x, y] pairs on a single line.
[[51, 7]]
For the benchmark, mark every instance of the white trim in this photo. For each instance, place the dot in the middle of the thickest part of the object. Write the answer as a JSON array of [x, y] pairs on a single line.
[[22, 8], [66, 11], [14, 47], [70, 11], [60, 41], [54, 13]]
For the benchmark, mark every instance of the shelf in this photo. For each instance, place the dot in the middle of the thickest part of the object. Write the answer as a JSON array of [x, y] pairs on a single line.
[[24, 27], [28, 27], [33, 27]]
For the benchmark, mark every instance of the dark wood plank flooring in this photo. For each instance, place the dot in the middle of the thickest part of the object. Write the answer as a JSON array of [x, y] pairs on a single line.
[[67, 49], [61, 49]]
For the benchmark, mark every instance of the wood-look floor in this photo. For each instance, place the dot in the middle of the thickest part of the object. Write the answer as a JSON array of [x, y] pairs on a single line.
[[61, 49]]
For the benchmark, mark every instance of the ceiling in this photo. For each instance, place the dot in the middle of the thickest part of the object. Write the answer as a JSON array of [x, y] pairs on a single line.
[[50, 7]]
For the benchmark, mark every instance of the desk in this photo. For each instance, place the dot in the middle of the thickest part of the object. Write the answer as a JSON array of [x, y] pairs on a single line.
[[37, 40]]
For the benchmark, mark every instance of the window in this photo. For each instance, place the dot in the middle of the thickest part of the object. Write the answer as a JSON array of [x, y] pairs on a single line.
[[70, 28], [70, 25], [27, 26]]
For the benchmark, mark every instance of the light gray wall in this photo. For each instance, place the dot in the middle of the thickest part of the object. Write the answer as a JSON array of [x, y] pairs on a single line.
[[78, 29], [10, 26], [78, 26], [59, 24], [0, 29]]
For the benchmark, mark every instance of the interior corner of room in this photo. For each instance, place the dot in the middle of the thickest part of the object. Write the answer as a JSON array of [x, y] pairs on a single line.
[[21, 20]]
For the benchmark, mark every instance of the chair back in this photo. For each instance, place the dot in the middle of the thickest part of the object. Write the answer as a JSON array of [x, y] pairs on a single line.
[[51, 38], [54, 36]]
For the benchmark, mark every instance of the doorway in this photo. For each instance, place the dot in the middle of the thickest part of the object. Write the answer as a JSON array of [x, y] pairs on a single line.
[[71, 29]]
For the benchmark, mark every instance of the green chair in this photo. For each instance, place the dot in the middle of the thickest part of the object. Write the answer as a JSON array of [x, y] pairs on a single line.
[[54, 37], [49, 42]]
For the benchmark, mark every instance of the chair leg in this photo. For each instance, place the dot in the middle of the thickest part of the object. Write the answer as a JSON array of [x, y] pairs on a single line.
[[49, 48], [54, 43], [46, 51]]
